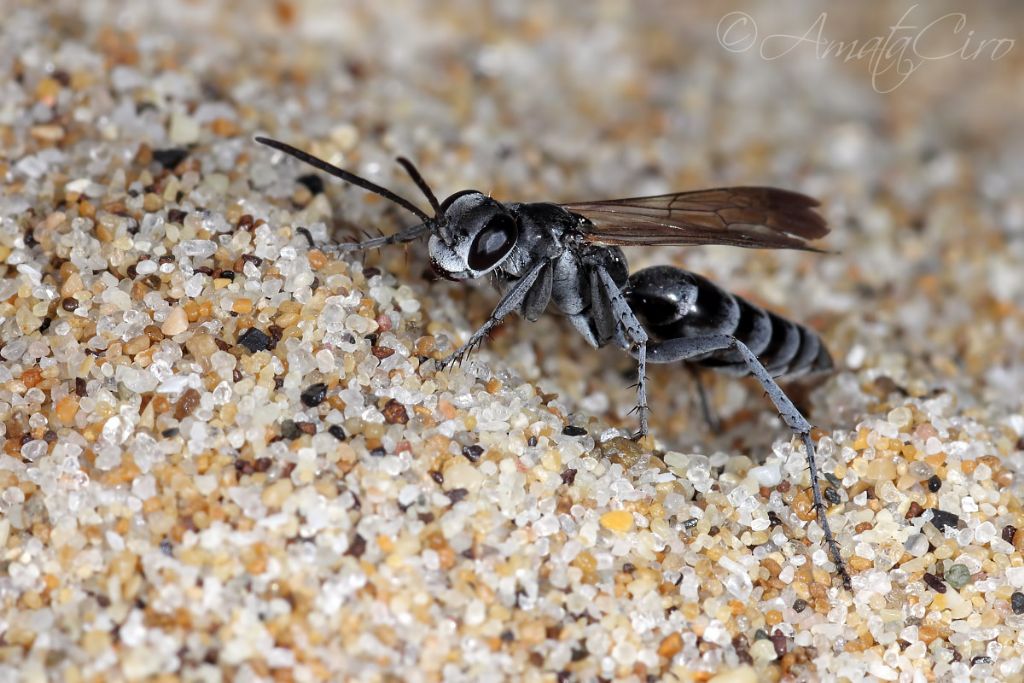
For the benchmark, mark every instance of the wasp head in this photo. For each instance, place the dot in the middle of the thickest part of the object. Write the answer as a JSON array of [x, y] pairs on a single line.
[[473, 234]]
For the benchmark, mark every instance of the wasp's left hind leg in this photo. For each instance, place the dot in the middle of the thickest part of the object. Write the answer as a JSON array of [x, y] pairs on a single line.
[[707, 410], [684, 348], [629, 334]]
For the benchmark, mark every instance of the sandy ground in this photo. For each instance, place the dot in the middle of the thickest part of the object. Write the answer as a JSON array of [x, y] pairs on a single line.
[[228, 455]]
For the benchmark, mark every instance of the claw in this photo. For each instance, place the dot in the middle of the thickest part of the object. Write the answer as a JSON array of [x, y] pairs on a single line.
[[462, 353], [446, 363], [641, 433]]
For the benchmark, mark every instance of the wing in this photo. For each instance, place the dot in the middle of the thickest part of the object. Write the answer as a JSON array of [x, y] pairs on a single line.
[[753, 217]]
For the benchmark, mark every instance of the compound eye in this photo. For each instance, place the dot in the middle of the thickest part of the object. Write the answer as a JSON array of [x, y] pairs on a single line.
[[493, 242]]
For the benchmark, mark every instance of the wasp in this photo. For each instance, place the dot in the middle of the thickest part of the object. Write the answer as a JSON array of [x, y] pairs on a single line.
[[567, 258]]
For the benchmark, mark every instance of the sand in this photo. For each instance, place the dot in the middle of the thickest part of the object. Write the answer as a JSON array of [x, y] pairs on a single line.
[[228, 453]]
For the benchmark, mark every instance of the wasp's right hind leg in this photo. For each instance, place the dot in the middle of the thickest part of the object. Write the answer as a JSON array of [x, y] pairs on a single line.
[[685, 348]]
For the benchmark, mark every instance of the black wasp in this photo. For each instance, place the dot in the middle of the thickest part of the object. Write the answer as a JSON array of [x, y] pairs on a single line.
[[567, 257]]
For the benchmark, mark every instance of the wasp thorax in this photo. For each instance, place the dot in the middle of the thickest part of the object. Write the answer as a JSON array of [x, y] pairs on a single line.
[[475, 234]]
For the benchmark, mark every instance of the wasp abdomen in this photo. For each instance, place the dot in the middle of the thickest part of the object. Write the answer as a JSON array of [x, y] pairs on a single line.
[[674, 303]]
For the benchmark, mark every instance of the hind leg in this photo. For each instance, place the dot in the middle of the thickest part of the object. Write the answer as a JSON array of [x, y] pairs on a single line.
[[682, 349], [710, 417]]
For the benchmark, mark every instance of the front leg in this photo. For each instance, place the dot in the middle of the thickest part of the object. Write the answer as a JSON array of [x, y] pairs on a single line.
[[629, 335], [512, 301], [409, 234]]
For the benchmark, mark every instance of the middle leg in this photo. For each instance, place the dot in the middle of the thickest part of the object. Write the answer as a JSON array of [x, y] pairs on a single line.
[[629, 334]]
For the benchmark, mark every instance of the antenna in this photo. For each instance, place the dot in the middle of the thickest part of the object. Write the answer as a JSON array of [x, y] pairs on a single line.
[[420, 183], [352, 177]]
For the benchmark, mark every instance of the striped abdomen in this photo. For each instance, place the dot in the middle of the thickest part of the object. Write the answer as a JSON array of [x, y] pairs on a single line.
[[674, 303]]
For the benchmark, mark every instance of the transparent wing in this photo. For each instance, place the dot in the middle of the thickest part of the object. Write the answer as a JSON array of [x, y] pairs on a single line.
[[753, 217]]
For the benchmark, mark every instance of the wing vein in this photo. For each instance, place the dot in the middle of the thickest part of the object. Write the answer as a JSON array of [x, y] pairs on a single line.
[[752, 217]]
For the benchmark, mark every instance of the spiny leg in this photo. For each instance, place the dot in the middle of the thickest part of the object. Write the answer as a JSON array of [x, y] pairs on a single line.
[[714, 424], [630, 335], [682, 349], [369, 242], [512, 301], [641, 408], [819, 507], [406, 235]]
